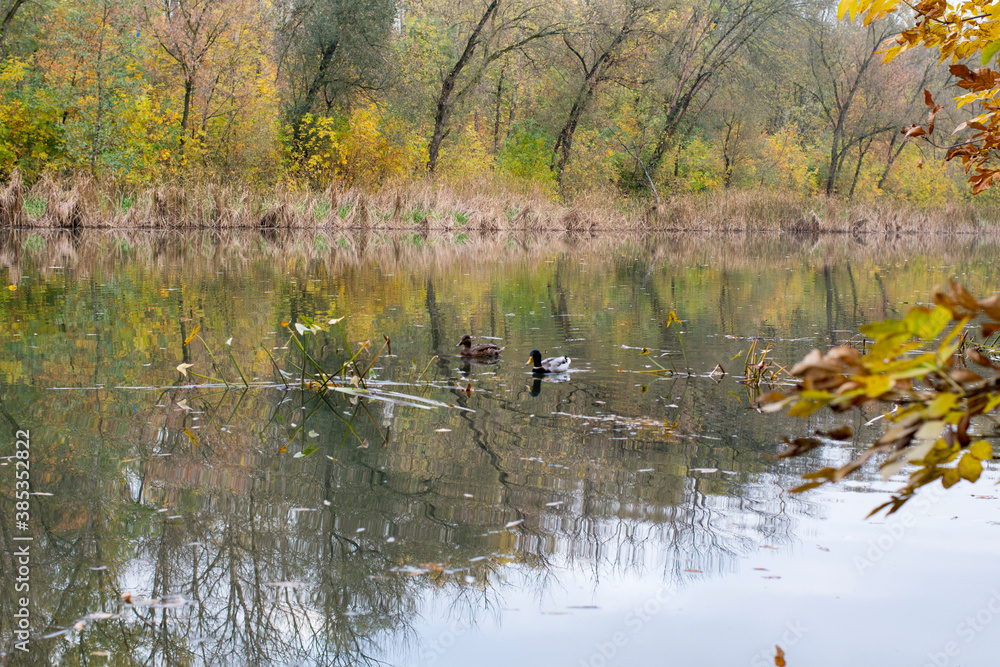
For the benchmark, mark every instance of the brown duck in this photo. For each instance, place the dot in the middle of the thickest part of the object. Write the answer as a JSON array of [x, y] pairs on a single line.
[[480, 350]]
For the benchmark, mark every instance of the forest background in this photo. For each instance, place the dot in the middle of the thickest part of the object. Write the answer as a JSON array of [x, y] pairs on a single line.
[[627, 97]]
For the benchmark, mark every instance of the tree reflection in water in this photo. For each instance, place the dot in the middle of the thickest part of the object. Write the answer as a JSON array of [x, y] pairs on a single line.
[[235, 552]]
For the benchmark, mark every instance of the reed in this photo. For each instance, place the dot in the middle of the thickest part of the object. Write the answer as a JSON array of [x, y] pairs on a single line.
[[485, 206]]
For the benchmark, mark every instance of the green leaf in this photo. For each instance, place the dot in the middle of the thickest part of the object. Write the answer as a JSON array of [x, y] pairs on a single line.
[[927, 323], [990, 51], [883, 328]]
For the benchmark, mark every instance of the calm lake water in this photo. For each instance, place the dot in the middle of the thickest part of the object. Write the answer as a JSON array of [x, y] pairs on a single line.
[[606, 516]]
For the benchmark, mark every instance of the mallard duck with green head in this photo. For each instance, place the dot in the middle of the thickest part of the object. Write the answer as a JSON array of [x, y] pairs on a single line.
[[550, 365], [479, 350]]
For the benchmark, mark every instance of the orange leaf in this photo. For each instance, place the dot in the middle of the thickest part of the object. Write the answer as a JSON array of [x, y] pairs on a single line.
[[193, 334]]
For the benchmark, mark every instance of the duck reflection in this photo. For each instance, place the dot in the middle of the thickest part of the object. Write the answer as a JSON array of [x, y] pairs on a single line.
[[467, 364], [536, 382]]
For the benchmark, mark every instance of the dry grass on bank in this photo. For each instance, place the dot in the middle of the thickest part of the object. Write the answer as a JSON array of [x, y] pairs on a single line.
[[483, 206]]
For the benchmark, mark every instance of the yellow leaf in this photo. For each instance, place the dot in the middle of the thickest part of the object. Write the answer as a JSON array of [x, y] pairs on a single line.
[[941, 404], [969, 467], [982, 450], [193, 334], [875, 385], [191, 436]]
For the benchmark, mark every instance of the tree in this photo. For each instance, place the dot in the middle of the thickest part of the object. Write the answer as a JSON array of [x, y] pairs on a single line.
[[485, 34], [188, 32], [8, 13], [697, 46], [851, 90], [89, 59], [598, 44], [329, 49]]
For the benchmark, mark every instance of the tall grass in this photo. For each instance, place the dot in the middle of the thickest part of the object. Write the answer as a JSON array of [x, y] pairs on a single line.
[[484, 205]]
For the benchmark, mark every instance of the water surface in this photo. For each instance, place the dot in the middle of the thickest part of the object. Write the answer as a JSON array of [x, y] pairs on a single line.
[[602, 517]]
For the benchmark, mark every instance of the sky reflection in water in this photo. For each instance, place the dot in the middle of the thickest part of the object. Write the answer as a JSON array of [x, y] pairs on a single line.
[[601, 517]]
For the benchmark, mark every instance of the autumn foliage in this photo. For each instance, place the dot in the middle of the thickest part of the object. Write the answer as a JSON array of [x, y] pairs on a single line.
[[636, 97], [959, 32], [936, 381]]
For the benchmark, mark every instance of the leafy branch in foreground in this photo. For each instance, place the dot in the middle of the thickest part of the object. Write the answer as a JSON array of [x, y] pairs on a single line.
[[958, 31], [936, 383]]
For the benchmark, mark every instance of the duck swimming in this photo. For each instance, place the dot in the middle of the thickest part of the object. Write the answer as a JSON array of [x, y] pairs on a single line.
[[480, 350], [550, 365]]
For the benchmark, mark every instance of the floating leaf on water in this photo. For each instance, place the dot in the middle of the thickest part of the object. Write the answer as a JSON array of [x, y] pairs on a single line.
[[100, 654], [313, 434], [183, 368], [442, 430], [694, 570], [282, 449], [190, 435], [99, 616], [183, 405], [511, 524], [306, 452], [336, 319]]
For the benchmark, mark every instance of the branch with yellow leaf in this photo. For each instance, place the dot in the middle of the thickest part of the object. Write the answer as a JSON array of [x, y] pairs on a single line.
[[958, 31], [925, 368]]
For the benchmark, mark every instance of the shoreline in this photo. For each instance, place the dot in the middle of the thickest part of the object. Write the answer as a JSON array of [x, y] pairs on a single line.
[[424, 206]]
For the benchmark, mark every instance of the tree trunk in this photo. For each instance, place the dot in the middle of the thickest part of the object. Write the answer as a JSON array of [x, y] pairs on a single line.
[[5, 25], [303, 107], [564, 142], [188, 99], [444, 101], [893, 154], [862, 151], [831, 176], [496, 116]]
